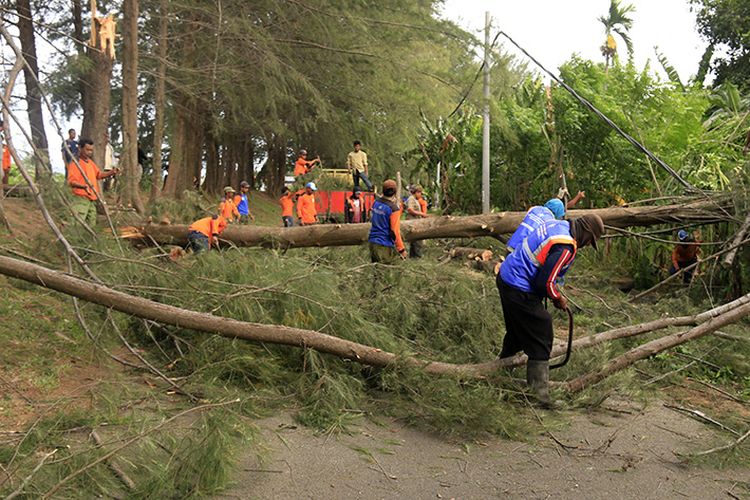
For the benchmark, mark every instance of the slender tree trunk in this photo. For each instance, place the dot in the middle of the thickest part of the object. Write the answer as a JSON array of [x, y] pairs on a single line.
[[214, 172], [131, 192], [159, 102], [31, 78], [249, 159], [187, 146]]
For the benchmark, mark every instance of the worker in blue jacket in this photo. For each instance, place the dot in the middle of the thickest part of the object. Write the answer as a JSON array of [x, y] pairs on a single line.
[[528, 275]]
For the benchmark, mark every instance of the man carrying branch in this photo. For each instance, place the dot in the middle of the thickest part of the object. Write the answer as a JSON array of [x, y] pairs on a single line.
[[528, 275], [83, 179]]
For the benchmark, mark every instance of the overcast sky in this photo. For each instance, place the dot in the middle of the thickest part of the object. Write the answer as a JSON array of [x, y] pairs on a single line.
[[553, 30]]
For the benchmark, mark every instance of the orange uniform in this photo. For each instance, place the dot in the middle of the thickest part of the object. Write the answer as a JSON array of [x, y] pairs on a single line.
[[685, 253], [209, 226], [92, 173], [306, 209], [228, 209], [423, 205], [302, 166], [287, 205], [6, 158]]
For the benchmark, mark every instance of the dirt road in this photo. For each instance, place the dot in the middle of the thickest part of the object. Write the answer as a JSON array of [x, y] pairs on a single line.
[[623, 452]]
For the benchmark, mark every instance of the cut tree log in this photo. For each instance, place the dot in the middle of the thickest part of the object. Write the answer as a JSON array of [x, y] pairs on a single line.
[[470, 253], [306, 339], [324, 235], [487, 266]]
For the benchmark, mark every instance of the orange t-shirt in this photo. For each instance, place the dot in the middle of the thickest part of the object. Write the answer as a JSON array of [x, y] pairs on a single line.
[[209, 226], [6, 158], [227, 209], [306, 209], [423, 205], [92, 173], [301, 166], [287, 205]]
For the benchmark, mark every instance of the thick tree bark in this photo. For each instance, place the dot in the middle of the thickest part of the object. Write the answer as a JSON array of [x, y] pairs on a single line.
[[96, 98], [31, 79], [187, 146], [159, 102], [131, 192], [439, 227]]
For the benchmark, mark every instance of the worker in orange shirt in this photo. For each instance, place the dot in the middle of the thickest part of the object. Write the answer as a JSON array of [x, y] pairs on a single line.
[[302, 166], [287, 207], [204, 233], [6, 155], [227, 208], [306, 211], [82, 178], [685, 254]]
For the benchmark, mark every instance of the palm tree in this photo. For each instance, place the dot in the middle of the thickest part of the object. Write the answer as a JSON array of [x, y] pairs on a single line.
[[617, 22]]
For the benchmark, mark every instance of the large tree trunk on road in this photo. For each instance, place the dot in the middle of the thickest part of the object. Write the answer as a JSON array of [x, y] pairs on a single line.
[[439, 227]]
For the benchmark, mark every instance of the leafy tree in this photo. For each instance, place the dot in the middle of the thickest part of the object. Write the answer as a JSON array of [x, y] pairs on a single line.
[[726, 23]]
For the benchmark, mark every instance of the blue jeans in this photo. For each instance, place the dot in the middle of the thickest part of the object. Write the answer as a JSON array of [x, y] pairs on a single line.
[[197, 241], [288, 220], [357, 175]]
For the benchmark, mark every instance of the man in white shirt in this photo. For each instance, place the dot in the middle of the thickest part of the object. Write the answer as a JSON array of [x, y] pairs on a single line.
[[356, 162]]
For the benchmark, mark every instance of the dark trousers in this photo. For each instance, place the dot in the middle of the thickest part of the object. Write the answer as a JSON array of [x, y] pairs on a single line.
[[357, 175], [687, 276], [528, 325], [384, 255], [287, 220], [197, 241], [416, 249]]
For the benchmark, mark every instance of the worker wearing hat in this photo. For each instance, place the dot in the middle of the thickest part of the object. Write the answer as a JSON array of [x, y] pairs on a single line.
[[385, 240], [528, 275], [242, 202], [553, 209], [227, 207], [684, 255], [302, 166], [306, 210]]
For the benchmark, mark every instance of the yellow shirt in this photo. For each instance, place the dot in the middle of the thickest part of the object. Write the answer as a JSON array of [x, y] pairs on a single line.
[[357, 160]]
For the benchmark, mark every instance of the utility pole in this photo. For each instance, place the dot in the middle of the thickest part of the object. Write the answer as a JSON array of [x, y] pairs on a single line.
[[486, 119]]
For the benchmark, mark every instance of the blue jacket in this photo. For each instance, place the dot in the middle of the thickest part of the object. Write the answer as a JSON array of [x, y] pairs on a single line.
[[534, 218], [380, 218], [522, 265], [242, 206]]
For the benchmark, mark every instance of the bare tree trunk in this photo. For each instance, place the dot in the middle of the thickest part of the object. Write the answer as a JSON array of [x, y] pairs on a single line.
[[96, 95], [214, 172], [131, 192], [438, 227], [187, 146], [159, 102], [248, 159], [33, 92], [728, 259]]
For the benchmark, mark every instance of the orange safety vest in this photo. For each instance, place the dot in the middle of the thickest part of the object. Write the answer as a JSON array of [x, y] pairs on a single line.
[[306, 209]]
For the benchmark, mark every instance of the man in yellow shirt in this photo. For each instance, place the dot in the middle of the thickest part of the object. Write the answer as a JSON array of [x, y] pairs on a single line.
[[356, 162]]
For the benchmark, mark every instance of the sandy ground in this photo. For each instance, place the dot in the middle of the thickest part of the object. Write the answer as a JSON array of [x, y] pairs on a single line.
[[623, 452]]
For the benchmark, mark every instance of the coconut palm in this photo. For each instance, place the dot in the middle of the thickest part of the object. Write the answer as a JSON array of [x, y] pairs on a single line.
[[619, 23]]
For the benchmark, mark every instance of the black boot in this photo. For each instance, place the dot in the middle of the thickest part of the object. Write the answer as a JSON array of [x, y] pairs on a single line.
[[537, 378]]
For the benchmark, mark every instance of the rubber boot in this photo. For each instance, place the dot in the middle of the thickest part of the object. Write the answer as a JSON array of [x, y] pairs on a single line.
[[537, 378]]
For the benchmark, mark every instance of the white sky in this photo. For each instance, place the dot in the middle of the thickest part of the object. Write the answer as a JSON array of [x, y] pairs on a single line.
[[553, 30]]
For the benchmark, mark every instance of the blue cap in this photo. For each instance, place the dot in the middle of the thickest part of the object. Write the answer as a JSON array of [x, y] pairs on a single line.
[[556, 207], [682, 235]]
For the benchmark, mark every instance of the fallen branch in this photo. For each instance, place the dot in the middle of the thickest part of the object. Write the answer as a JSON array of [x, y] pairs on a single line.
[[471, 253], [27, 480], [656, 346], [729, 257], [728, 446], [130, 441], [112, 463]]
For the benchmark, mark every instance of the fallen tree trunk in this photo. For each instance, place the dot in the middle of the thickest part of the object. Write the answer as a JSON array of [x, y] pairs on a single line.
[[324, 235], [275, 334], [728, 259]]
